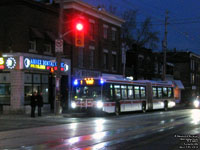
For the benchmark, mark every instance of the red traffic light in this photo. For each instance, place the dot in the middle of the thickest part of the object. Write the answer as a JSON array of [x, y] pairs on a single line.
[[79, 26]]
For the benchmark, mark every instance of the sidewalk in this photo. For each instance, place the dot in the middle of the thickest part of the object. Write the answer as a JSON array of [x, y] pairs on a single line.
[[21, 121]]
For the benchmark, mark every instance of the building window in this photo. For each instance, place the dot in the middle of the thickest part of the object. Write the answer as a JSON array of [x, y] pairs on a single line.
[[80, 57], [192, 65], [92, 31], [92, 58], [47, 48], [114, 61], [105, 31], [113, 34], [105, 60], [32, 46], [192, 78]]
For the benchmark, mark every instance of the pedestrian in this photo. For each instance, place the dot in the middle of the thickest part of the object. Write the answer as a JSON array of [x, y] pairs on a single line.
[[40, 103], [33, 103]]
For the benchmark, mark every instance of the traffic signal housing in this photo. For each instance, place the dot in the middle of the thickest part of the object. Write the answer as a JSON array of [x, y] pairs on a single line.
[[79, 33]]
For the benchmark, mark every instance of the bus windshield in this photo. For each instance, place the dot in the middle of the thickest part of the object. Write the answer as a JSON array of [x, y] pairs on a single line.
[[87, 92]]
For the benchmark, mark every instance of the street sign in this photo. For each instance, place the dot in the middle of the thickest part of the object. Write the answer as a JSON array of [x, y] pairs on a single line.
[[59, 45]]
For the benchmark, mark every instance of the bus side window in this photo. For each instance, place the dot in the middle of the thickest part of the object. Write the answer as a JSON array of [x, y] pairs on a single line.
[[137, 92], [111, 91], [155, 94], [159, 92], [124, 91], [170, 92], [107, 91], [165, 92], [117, 92], [143, 92], [130, 92]]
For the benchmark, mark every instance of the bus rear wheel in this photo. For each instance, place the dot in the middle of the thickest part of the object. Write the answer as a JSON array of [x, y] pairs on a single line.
[[117, 110], [143, 107], [165, 105]]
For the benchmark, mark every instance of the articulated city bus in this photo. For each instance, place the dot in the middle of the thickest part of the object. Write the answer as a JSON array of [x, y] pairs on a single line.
[[121, 95]]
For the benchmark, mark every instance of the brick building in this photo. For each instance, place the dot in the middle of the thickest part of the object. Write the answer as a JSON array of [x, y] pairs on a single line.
[[28, 31], [186, 69], [102, 48]]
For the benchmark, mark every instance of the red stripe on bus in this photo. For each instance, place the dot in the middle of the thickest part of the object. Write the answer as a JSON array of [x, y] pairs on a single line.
[[130, 102]]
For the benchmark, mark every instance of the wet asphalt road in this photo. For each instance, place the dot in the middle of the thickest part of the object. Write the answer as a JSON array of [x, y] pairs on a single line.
[[158, 130]]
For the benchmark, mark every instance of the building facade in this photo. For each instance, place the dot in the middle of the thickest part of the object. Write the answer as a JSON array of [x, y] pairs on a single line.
[[101, 52], [27, 35], [187, 69], [27, 44]]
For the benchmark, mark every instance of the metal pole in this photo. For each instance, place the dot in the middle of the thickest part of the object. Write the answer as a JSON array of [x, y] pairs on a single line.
[[58, 109], [164, 46]]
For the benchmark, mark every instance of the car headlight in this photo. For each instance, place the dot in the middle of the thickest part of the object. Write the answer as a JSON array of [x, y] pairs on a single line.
[[99, 104], [196, 103], [73, 105]]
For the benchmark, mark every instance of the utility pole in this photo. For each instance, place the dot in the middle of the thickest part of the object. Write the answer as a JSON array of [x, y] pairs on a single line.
[[124, 50], [59, 51], [164, 47]]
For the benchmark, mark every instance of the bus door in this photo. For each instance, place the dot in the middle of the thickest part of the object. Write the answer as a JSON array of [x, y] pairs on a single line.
[[149, 96]]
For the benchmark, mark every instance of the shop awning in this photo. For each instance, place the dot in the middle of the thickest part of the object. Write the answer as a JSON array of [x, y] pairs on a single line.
[[179, 84]]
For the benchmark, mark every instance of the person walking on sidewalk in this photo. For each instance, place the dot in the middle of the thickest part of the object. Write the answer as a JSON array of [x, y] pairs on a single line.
[[34, 101], [40, 103]]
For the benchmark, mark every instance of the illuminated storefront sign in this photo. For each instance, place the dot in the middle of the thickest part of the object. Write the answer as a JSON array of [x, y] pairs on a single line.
[[7, 63], [43, 64], [2, 63], [11, 63]]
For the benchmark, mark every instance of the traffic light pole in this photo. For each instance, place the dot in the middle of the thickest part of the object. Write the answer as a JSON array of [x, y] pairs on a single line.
[[57, 108]]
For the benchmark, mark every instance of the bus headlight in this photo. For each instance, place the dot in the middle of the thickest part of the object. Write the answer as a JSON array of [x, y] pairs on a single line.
[[99, 104], [73, 105], [196, 103]]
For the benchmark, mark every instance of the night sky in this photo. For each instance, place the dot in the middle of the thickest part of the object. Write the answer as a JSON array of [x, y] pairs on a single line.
[[184, 19]]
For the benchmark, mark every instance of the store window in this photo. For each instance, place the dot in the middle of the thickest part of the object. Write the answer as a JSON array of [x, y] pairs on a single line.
[[4, 88], [4, 93], [36, 83]]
